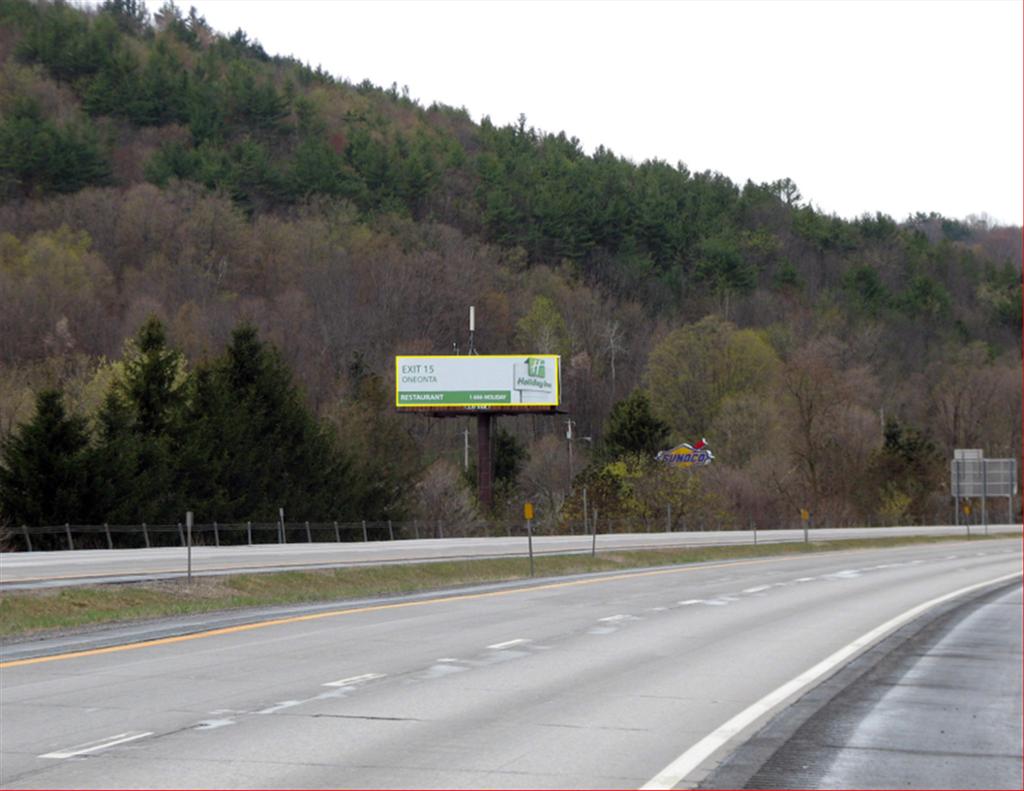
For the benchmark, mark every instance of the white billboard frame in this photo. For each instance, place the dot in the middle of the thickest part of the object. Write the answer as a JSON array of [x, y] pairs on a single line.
[[478, 381]]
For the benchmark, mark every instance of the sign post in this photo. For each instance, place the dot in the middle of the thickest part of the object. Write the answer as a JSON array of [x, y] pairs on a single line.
[[528, 515], [984, 496], [188, 525], [805, 517]]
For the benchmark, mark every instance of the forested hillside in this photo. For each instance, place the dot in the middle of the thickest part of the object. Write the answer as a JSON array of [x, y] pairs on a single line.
[[209, 257]]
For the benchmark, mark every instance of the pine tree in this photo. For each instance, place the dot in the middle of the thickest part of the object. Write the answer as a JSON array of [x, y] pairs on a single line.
[[152, 384], [251, 446], [633, 428], [43, 478], [139, 427]]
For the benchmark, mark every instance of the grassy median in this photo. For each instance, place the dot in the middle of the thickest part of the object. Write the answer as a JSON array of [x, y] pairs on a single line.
[[24, 613]]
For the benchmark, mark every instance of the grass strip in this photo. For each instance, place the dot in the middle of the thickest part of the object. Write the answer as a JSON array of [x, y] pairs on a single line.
[[36, 612]]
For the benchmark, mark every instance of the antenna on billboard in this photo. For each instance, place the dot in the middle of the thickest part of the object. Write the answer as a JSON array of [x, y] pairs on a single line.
[[472, 329]]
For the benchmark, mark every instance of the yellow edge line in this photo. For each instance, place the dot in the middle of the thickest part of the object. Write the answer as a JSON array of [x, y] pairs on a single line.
[[374, 608]]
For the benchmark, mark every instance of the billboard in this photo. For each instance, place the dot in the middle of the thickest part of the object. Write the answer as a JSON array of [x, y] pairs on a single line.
[[479, 381]]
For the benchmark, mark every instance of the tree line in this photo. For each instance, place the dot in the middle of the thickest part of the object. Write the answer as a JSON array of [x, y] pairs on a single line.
[[230, 439]]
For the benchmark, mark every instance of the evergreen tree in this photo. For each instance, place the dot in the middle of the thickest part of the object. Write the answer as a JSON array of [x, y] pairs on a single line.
[[139, 428], [251, 446], [632, 428], [38, 157], [116, 464], [43, 478], [509, 457], [152, 383], [388, 461]]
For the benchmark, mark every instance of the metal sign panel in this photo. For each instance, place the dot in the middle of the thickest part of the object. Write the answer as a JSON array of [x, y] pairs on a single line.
[[973, 477], [686, 455], [480, 381]]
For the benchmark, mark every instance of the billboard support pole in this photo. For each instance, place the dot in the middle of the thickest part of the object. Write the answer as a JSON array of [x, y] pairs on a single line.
[[484, 462]]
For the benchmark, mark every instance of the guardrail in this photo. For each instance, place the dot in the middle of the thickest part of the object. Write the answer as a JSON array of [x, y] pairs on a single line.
[[75, 537]]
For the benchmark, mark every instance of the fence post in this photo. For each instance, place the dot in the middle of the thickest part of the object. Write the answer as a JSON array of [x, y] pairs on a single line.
[[145, 534], [67, 527], [668, 518], [337, 535], [110, 541], [188, 521], [364, 531], [391, 531], [593, 536], [416, 527], [248, 532], [181, 534], [440, 529], [28, 540], [309, 536], [216, 534]]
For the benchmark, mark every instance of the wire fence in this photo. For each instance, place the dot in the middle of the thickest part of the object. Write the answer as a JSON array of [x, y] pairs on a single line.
[[75, 537]]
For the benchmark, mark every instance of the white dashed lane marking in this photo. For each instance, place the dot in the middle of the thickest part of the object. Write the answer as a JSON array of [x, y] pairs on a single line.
[[348, 682], [509, 643], [94, 746]]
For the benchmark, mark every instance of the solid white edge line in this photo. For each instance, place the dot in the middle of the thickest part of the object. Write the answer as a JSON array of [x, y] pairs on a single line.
[[111, 741], [675, 772]]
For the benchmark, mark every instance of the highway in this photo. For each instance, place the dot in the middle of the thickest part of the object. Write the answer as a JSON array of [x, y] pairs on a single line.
[[49, 569], [643, 679]]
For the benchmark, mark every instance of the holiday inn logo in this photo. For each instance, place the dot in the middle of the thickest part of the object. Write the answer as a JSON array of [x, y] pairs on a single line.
[[535, 367]]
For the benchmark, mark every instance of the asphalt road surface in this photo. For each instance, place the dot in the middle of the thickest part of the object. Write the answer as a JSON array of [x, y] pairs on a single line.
[[942, 709], [49, 569], [638, 679]]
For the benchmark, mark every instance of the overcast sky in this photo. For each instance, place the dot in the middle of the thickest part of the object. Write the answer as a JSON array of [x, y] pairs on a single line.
[[896, 107]]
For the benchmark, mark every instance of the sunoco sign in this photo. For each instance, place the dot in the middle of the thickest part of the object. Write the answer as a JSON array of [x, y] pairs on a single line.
[[686, 455]]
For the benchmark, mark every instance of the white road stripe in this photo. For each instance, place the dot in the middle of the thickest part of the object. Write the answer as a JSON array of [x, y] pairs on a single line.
[[209, 725], [102, 744], [757, 589], [347, 682], [675, 772], [688, 602], [507, 643], [287, 704]]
